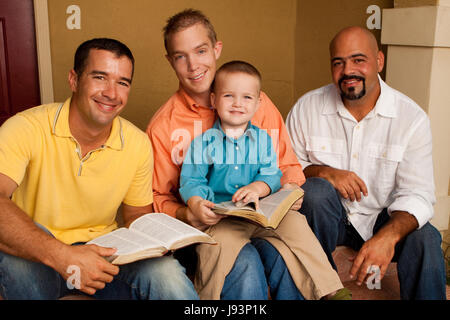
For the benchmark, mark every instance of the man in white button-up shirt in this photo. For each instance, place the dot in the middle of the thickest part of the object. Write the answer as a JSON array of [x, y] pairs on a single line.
[[366, 152]]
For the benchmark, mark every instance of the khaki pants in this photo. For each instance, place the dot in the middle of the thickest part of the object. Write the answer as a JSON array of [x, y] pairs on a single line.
[[304, 257]]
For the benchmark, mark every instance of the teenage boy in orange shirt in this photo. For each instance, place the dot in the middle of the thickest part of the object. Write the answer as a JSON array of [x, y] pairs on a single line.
[[192, 51]]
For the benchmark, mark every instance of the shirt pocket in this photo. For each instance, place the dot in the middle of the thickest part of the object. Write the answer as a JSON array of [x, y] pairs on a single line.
[[325, 151], [383, 161]]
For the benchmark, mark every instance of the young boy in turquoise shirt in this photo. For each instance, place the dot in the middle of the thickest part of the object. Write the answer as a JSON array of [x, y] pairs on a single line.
[[237, 161]]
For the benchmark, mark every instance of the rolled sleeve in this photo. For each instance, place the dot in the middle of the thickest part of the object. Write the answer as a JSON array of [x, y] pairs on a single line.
[[420, 208], [414, 190]]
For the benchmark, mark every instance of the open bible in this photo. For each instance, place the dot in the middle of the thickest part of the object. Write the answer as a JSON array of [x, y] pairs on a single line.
[[151, 235], [271, 210]]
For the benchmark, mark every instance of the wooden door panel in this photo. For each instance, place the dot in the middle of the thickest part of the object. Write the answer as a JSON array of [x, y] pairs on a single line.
[[5, 108], [19, 76]]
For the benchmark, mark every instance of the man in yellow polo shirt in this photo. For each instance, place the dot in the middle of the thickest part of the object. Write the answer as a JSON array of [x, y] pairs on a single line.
[[65, 168]]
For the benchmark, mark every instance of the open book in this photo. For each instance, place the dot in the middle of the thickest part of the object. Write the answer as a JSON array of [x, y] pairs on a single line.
[[271, 210], [151, 235]]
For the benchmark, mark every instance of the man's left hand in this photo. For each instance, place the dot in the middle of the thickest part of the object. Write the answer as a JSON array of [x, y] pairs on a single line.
[[377, 251]]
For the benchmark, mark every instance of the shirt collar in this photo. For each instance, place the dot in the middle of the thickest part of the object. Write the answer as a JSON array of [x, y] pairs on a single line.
[[189, 102], [249, 132], [60, 127], [384, 106]]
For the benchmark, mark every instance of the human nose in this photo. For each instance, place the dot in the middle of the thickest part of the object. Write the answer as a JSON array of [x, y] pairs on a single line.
[[110, 91], [192, 63], [237, 102], [348, 67]]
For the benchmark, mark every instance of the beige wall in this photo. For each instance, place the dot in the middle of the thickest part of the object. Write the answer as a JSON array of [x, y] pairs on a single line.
[[247, 30], [287, 40], [317, 23]]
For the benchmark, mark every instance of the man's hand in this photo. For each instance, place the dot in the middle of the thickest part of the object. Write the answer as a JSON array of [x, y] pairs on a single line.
[[380, 249], [95, 271], [347, 183], [297, 204], [202, 214], [377, 251]]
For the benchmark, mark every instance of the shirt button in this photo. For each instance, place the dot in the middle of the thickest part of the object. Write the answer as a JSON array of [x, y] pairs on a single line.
[[357, 127], [323, 147], [235, 168], [237, 148], [236, 186], [355, 156]]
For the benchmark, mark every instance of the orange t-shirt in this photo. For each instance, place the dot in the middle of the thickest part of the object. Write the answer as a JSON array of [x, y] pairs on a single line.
[[180, 120]]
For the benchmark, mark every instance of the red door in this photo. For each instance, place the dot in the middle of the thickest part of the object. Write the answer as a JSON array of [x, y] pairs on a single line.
[[19, 77]]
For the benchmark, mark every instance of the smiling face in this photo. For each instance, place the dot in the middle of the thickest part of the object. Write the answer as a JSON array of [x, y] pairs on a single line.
[[236, 99], [101, 92], [355, 63], [193, 57]]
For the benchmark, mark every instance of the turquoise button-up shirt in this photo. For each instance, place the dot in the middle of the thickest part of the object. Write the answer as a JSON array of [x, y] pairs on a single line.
[[216, 165]]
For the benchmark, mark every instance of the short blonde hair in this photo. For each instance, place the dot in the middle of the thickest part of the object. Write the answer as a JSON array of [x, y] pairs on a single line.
[[186, 19]]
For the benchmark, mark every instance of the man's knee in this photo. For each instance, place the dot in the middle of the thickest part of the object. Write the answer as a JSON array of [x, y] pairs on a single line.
[[25, 279], [427, 237], [161, 278], [317, 190]]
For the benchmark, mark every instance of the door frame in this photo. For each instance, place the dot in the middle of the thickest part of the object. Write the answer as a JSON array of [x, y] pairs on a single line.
[[44, 57]]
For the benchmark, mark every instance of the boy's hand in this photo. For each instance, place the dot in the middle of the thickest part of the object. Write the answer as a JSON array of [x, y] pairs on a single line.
[[201, 208], [251, 193]]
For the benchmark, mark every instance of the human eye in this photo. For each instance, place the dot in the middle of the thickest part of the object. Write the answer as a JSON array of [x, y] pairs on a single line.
[[202, 51], [178, 57], [98, 77], [248, 97], [124, 84], [336, 63]]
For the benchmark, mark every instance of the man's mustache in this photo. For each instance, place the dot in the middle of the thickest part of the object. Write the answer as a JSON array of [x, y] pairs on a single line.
[[354, 77]]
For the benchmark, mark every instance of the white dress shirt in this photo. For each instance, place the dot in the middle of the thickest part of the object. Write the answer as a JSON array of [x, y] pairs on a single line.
[[390, 150]]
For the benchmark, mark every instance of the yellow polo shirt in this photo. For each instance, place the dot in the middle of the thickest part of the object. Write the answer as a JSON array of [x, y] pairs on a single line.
[[75, 199]]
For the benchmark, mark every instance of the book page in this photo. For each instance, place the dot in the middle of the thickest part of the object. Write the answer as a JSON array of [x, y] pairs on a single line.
[[164, 228], [230, 205], [126, 241], [270, 203]]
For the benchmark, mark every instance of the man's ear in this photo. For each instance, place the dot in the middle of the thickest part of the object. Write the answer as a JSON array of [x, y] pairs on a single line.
[[218, 49], [169, 59], [73, 80], [380, 61]]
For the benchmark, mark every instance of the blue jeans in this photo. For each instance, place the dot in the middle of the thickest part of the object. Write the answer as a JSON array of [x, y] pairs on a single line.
[[258, 267], [156, 278], [419, 257]]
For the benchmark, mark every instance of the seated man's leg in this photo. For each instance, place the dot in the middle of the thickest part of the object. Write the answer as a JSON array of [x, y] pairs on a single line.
[[324, 213], [22, 279], [160, 278], [282, 286], [420, 264], [246, 280]]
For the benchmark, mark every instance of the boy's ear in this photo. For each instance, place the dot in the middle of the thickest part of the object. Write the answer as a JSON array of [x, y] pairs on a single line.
[[258, 104], [212, 97]]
